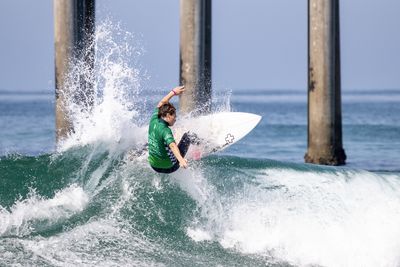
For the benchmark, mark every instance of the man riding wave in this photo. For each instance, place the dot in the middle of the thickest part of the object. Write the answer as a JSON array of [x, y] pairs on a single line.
[[165, 156]]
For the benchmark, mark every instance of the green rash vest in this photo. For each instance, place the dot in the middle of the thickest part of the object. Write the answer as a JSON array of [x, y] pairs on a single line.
[[160, 137]]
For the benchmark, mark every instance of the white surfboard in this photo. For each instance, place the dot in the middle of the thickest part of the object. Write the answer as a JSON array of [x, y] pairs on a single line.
[[217, 131]]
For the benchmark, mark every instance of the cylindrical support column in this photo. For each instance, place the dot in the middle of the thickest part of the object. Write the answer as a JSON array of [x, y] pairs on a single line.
[[195, 55], [73, 37], [324, 89]]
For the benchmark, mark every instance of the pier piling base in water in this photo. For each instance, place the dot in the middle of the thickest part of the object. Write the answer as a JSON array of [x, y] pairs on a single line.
[[324, 90], [74, 22]]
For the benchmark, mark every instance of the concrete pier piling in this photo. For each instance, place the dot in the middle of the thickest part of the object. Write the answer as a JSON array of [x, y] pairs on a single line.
[[195, 55], [74, 22], [324, 89]]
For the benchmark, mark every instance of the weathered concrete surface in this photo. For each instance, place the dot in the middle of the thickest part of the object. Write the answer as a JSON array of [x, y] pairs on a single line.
[[324, 89], [195, 55]]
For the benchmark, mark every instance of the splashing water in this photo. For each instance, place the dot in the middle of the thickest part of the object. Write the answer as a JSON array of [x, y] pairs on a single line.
[[114, 112]]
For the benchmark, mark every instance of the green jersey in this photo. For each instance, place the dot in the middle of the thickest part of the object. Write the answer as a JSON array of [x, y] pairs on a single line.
[[160, 137]]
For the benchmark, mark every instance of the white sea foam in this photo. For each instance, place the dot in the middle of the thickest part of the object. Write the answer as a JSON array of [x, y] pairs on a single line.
[[198, 234], [86, 245], [345, 219], [25, 215]]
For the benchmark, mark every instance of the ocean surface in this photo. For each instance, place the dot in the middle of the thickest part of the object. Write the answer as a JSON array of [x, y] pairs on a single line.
[[371, 125], [87, 202]]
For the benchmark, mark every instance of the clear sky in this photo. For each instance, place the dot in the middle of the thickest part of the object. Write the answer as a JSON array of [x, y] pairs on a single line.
[[256, 43]]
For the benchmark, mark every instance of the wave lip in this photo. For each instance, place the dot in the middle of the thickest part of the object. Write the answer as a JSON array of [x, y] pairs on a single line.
[[35, 212]]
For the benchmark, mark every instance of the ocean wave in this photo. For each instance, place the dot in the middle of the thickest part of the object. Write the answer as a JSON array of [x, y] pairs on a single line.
[[250, 211]]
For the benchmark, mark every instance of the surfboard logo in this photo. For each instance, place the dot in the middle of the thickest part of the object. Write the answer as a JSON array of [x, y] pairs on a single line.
[[229, 138]]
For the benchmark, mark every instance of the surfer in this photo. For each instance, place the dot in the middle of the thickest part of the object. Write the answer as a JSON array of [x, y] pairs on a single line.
[[165, 156]]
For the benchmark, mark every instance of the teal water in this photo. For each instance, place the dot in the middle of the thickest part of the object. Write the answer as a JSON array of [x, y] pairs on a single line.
[[86, 209], [255, 204]]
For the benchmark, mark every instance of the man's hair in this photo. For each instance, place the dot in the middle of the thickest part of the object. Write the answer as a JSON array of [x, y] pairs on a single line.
[[165, 109]]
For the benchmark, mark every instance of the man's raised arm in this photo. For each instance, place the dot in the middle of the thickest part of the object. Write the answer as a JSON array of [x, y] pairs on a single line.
[[176, 91]]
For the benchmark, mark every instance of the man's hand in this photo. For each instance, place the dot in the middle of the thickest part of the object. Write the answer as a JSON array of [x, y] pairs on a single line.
[[179, 90], [183, 163], [174, 148], [176, 91]]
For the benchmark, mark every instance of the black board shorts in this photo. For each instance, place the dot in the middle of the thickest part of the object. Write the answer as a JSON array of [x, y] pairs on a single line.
[[174, 168], [183, 147]]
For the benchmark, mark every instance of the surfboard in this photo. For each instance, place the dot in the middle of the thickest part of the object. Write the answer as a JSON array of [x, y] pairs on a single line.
[[216, 131]]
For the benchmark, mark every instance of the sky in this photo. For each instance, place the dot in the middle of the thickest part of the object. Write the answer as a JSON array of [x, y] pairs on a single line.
[[257, 44]]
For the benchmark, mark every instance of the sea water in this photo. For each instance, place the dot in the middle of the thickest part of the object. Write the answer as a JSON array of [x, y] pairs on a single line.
[[85, 202]]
